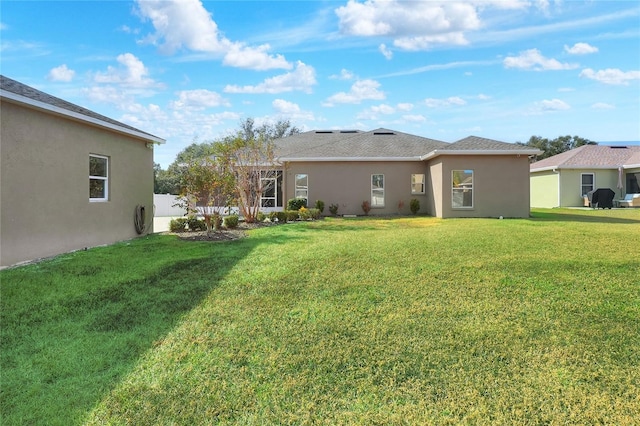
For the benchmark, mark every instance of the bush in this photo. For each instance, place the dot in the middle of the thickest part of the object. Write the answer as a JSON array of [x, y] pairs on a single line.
[[333, 209], [260, 217], [414, 205], [231, 221], [178, 225], [315, 214], [320, 206], [296, 203], [280, 217], [291, 215], [196, 224]]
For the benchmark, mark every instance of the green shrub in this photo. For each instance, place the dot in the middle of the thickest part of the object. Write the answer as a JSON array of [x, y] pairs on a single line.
[[178, 225], [231, 221], [315, 214], [260, 217], [414, 205], [296, 203], [320, 206], [196, 224], [292, 215], [280, 217], [333, 209]]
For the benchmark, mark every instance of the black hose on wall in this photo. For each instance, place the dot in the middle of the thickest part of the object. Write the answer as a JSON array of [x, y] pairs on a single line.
[[139, 219]]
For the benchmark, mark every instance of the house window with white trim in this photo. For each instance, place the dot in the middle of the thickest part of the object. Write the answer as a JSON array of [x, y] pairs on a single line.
[[587, 183], [98, 178], [417, 184], [302, 187], [462, 189], [377, 190]]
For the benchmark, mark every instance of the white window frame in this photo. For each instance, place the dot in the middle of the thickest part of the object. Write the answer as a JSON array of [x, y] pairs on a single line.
[[414, 182], [302, 191], [105, 179], [376, 191], [457, 191], [582, 185]]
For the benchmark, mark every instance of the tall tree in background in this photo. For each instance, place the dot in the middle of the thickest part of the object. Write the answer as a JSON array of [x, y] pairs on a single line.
[[555, 146]]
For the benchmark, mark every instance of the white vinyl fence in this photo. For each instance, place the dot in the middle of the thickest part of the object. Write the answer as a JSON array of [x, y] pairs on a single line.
[[164, 206]]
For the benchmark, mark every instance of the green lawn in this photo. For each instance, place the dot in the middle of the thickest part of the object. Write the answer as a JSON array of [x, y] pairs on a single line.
[[341, 321]]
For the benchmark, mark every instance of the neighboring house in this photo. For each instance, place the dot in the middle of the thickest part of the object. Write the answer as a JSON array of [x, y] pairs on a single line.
[[70, 178], [565, 179], [474, 177]]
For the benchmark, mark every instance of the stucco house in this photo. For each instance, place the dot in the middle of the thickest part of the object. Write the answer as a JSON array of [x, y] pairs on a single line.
[[565, 179], [473, 177], [70, 178]]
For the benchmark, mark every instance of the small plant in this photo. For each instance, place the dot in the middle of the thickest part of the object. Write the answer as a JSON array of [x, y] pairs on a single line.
[[414, 205], [231, 221], [304, 214], [292, 215], [315, 214], [260, 217], [320, 206], [281, 217], [366, 207], [178, 225], [296, 203], [196, 224], [333, 209]]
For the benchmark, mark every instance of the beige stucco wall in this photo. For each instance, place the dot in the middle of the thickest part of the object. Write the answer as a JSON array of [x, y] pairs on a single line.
[[348, 184], [500, 185], [544, 189], [45, 208]]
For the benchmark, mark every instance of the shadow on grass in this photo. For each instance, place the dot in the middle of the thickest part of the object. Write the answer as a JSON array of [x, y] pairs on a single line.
[[61, 355], [587, 216]]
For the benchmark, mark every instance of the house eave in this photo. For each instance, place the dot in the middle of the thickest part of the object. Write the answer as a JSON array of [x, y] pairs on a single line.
[[4, 94], [345, 159], [547, 168], [519, 152]]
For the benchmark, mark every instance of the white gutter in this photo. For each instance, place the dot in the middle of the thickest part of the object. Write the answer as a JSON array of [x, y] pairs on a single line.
[[80, 117], [332, 159], [438, 152]]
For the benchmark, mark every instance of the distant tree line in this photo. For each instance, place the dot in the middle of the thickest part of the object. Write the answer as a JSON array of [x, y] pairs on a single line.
[[551, 147]]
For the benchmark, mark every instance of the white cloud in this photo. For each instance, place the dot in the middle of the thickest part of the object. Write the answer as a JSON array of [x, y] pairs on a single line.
[[413, 24], [132, 72], [187, 24], [550, 105], [611, 76], [3, 26], [439, 103], [386, 52], [532, 59], [404, 107], [375, 111], [580, 49], [344, 75], [291, 110], [61, 73], [602, 105], [198, 99], [360, 90], [300, 79], [414, 118]]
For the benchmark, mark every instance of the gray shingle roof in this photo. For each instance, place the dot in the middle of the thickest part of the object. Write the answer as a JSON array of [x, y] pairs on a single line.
[[484, 144], [9, 85], [345, 145], [590, 157]]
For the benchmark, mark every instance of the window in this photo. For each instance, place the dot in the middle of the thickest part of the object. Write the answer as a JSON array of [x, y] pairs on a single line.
[[587, 183], [271, 184], [462, 189], [98, 178], [417, 184], [302, 187], [377, 190]]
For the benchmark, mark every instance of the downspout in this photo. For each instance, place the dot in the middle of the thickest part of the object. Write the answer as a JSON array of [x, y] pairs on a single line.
[[557, 172]]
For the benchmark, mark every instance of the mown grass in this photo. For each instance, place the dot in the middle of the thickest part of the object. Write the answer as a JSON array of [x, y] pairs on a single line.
[[363, 321]]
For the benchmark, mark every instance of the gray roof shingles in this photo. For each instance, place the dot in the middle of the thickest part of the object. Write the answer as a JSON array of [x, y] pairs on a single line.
[[590, 156], [18, 88]]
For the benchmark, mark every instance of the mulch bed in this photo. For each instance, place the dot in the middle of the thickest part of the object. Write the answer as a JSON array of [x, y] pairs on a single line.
[[223, 234]]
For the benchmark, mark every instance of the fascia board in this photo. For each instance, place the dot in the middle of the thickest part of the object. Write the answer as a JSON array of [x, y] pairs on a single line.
[[346, 159], [576, 168], [80, 117], [439, 152]]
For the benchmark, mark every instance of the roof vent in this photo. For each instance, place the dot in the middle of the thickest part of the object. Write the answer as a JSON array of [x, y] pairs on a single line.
[[324, 131], [383, 133], [348, 131], [618, 147]]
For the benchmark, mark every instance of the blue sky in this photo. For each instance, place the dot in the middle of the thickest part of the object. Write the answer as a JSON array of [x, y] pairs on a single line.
[[187, 70]]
